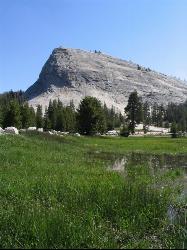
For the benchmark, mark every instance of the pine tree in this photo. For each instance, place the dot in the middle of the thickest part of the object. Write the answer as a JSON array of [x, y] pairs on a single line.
[[60, 119], [121, 118], [25, 115], [47, 123], [70, 118], [111, 118], [52, 113], [91, 116], [1, 116], [182, 124], [39, 117], [154, 114], [174, 130], [13, 115], [146, 117], [32, 119], [107, 116], [133, 111], [170, 112], [54, 117], [140, 111], [160, 116]]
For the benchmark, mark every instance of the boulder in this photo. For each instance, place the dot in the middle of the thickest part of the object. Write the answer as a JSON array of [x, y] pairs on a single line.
[[112, 132], [77, 134], [1, 130], [158, 129], [139, 126], [23, 130], [54, 132], [63, 133], [11, 130], [31, 129], [98, 134], [49, 133], [40, 130]]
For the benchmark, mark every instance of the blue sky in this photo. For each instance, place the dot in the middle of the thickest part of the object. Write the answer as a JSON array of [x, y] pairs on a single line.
[[152, 33]]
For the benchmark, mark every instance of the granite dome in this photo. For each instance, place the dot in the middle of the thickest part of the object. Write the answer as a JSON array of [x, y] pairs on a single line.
[[71, 74]]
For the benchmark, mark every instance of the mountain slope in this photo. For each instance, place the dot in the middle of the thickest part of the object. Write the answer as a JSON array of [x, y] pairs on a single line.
[[71, 74]]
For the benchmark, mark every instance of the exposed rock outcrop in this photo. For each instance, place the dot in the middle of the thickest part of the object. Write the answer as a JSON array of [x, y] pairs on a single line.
[[71, 74]]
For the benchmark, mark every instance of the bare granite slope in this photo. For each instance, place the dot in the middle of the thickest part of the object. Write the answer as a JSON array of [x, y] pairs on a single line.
[[71, 74]]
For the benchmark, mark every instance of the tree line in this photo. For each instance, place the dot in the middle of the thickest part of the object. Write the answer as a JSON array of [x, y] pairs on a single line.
[[15, 111], [173, 116], [92, 116]]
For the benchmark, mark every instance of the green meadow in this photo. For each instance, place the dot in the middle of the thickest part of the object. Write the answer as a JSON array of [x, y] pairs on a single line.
[[61, 192]]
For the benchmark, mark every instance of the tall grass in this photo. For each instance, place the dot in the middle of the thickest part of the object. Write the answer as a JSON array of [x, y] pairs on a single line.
[[53, 195]]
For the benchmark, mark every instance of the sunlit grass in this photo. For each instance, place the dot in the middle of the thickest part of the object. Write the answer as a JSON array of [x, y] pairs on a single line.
[[53, 195]]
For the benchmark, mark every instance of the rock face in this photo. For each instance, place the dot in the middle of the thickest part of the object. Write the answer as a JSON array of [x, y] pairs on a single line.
[[71, 74]]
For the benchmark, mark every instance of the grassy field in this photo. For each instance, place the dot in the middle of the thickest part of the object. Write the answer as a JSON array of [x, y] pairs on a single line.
[[55, 194]]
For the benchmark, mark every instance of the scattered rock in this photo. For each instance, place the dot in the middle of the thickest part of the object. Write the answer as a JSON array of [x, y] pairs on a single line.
[[158, 129], [11, 130], [112, 132], [23, 130], [98, 134], [54, 132], [63, 133], [1, 131], [40, 130], [77, 134], [139, 126], [32, 129], [49, 132], [151, 130]]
